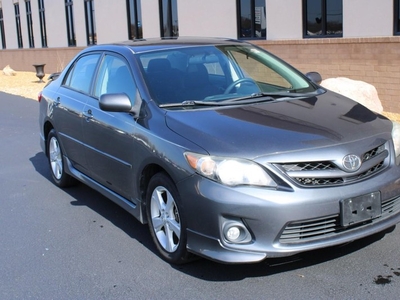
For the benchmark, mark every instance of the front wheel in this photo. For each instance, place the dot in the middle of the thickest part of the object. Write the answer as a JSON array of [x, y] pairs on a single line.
[[166, 220], [56, 161]]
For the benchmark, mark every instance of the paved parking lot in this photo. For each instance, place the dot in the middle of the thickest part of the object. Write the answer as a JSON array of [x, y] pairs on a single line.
[[75, 244]]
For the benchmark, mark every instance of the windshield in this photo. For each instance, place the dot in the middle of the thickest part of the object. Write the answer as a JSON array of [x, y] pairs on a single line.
[[218, 73]]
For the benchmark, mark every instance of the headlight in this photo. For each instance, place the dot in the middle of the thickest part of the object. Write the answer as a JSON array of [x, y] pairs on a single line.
[[229, 171], [396, 138]]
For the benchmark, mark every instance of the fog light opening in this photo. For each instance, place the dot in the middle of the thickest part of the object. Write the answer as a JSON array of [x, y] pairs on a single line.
[[235, 232]]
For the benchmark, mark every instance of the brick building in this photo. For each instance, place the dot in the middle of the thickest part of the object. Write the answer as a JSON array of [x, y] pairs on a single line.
[[359, 39]]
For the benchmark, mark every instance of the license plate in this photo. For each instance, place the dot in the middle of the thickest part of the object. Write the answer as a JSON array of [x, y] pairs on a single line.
[[360, 209]]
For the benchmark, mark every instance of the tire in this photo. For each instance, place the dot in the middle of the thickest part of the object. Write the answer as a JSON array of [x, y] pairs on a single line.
[[56, 162], [166, 220]]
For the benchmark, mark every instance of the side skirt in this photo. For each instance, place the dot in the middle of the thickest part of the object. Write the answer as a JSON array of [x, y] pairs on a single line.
[[134, 209]]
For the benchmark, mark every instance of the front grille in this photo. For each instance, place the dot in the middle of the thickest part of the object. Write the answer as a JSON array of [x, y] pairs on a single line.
[[327, 173], [318, 181], [374, 152], [315, 181], [371, 171], [320, 228], [309, 166]]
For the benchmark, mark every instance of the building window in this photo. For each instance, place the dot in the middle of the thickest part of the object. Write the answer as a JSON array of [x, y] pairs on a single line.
[[42, 21], [323, 18], [134, 19], [70, 23], [169, 18], [29, 23], [90, 23], [2, 33], [18, 24], [397, 17], [252, 19]]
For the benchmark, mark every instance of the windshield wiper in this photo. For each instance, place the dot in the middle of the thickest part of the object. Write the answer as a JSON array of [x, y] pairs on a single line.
[[253, 98], [262, 96], [248, 99], [190, 103], [293, 93], [287, 94], [273, 96]]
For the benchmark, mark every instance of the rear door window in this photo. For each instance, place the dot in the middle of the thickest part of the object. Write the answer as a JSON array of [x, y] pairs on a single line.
[[80, 76]]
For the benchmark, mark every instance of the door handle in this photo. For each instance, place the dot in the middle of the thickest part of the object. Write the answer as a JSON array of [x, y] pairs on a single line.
[[88, 114], [57, 102]]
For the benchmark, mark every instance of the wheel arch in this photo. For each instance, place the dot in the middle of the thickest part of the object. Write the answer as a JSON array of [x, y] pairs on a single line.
[[147, 173], [47, 127], [151, 166]]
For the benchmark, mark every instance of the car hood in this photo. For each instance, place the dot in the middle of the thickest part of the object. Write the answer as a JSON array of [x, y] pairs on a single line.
[[280, 126]]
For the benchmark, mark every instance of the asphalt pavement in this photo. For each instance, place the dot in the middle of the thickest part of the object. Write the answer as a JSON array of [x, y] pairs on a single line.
[[76, 244]]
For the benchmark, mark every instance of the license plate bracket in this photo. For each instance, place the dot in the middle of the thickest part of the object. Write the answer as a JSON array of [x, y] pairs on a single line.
[[360, 209]]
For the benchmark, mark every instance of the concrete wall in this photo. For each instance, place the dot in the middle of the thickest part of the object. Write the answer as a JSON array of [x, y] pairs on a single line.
[[79, 23], [284, 20], [36, 24], [55, 24], [24, 28], [151, 18], [219, 22], [111, 21], [361, 18], [9, 25], [367, 18]]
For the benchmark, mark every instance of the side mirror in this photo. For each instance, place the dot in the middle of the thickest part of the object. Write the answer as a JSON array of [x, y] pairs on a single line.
[[115, 102], [314, 77]]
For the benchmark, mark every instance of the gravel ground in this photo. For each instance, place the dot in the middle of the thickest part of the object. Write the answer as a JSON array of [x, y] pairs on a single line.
[[24, 84], [27, 85]]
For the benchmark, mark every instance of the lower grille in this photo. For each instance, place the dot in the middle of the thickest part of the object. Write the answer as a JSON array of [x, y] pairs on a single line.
[[310, 230], [320, 228], [391, 206]]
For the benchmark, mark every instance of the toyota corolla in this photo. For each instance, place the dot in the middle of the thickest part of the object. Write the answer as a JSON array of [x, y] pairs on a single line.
[[224, 150]]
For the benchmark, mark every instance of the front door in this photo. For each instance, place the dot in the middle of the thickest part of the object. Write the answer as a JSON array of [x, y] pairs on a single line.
[[108, 136]]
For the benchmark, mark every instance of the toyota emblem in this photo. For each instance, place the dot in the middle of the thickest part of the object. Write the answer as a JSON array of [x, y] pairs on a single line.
[[351, 162]]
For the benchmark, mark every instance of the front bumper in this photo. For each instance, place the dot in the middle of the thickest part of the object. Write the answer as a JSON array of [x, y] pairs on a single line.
[[268, 213]]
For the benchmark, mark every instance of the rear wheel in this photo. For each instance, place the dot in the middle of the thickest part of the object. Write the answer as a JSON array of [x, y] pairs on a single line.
[[166, 221], [56, 161]]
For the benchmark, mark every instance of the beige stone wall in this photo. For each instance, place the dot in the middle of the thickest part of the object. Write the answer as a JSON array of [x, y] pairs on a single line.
[[23, 59], [374, 60]]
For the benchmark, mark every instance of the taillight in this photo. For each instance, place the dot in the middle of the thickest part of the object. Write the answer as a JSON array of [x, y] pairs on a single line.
[[39, 97]]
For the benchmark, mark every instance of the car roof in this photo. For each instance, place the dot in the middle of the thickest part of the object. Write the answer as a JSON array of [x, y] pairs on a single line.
[[144, 45]]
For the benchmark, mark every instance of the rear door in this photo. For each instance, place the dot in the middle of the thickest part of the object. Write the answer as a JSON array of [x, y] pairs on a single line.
[[108, 136], [70, 101]]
